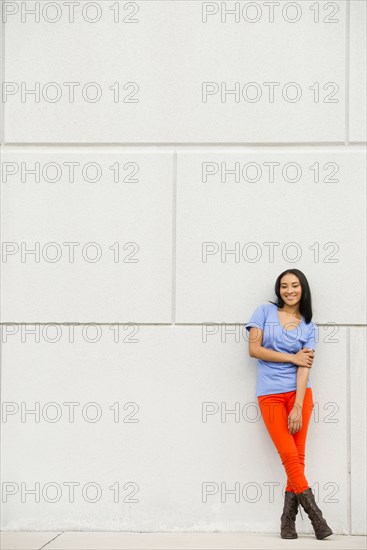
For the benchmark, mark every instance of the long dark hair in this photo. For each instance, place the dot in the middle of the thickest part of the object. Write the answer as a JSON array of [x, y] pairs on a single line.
[[305, 305]]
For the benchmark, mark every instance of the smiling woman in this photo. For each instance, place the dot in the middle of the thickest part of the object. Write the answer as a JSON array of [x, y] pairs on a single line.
[[282, 338]]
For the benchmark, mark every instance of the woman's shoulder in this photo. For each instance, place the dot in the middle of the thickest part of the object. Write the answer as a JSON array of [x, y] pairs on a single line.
[[311, 329], [268, 306], [311, 326], [265, 307]]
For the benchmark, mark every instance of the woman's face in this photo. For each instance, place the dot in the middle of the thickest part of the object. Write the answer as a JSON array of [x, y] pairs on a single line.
[[290, 289]]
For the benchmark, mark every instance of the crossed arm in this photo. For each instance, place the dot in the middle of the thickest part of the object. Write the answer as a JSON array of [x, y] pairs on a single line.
[[302, 359]]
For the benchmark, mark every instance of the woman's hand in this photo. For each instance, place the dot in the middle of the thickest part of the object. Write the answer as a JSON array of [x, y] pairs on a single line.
[[304, 358], [295, 419]]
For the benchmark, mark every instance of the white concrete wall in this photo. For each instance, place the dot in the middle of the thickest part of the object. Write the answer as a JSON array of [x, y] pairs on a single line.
[[168, 338]]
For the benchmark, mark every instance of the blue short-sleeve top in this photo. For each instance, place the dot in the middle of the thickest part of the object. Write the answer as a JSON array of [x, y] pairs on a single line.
[[273, 377]]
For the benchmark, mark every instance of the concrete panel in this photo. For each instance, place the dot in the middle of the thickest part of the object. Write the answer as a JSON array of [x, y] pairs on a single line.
[[116, 206], [166, 428], [357, 71], [358, 429], [244, 217], [260, 74]]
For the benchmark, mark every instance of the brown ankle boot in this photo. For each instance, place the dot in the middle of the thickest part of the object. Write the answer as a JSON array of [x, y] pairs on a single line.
[[288, 518], [307, 500]]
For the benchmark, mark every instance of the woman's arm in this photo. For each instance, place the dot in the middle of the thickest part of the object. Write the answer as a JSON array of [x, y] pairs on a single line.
[[295, 415], [302, 379], [259, 352], [271, 355]]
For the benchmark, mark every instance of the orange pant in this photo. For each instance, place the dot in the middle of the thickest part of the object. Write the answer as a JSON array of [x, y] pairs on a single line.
[[275, 409]]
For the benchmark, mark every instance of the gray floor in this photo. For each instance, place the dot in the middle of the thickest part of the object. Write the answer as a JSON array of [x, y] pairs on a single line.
[[76, 540]]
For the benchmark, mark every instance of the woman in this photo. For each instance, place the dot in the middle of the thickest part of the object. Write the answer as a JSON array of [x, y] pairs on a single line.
[[282, 338]]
